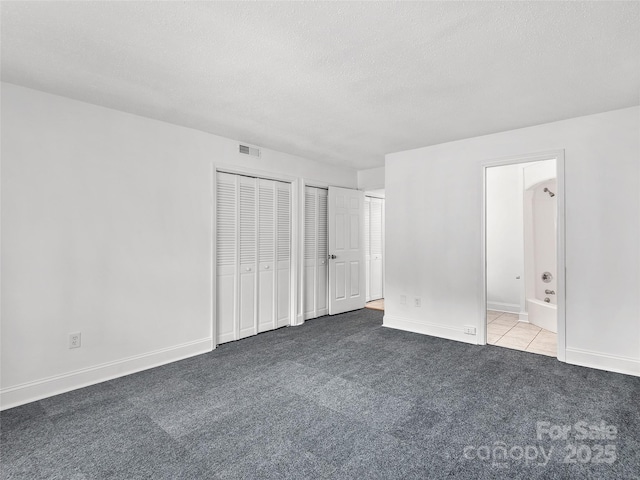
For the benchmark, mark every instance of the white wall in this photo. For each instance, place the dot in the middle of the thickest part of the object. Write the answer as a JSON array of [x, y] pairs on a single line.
[[434, 219], [107, 230], [505, 250], [371, 179]]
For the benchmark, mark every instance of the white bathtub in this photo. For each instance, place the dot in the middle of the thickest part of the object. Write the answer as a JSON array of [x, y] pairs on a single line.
[[542, 314]]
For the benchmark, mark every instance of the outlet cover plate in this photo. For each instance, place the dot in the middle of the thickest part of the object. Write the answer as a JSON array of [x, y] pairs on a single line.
[[75, 340]]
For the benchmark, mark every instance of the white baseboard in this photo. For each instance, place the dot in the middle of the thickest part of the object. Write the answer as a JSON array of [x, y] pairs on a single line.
[[426, 328], [319, 313], [601, 361], [574, 356], [48, 387], [503, 307]]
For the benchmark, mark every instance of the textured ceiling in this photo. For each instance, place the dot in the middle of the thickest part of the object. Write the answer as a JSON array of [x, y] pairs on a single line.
[[342, 83]]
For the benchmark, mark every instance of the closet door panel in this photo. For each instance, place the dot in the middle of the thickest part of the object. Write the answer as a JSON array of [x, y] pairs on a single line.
[[266, 295], [248, 257], [283, 254], [225, 309], [310, 253], [226, 268], [322, 269], [253, 250], [247, 304], [367, 245], [266, 252], [376, 278], [284, 284], [376, 248], [309, 289]]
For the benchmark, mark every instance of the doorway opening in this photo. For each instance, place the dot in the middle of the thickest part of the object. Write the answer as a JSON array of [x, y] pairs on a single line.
[[374, 220], [524, 255]]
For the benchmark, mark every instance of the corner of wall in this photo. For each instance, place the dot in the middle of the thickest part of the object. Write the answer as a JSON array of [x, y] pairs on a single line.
[[371, 179], [426, 328]]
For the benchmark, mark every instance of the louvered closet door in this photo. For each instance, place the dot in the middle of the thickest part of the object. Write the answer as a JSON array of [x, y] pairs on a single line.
[[367, 244], [283, 254], [376, 248], [248, 257], [266, 254], [315, 253], [322, 279], [226, 258], [253, 266], [310, 251]]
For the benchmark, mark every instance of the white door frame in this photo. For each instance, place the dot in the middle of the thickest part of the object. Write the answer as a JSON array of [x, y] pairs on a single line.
[[295, 238], [558, 156]]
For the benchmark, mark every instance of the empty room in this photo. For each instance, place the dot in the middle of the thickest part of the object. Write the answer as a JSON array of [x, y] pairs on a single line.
[[395, 240]]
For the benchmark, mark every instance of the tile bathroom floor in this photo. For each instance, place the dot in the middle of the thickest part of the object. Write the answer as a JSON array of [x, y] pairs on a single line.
[[504, 330]]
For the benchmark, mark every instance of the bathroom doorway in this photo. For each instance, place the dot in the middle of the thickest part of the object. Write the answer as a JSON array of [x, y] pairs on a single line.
[[524, 248]]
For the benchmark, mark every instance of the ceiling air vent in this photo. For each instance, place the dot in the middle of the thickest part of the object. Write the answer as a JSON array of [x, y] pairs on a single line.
[[255, 152]]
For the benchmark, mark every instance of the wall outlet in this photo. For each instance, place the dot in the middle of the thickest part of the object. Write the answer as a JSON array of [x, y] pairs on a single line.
[[75, 340], [417, 302], [469, 330], [403, 299]]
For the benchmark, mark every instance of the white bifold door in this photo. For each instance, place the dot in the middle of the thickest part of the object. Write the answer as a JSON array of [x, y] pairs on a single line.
[[374, 247], [347, 282], [253, 256], [316, 263], [367, 246]]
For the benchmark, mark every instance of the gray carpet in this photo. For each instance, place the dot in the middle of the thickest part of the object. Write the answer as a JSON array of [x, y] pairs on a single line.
[[340, 397]]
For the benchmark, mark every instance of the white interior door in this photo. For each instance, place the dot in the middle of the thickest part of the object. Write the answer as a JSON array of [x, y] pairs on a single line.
[[322, 260], [310, 252], [347, 280], [376, 248], [248, 258], [226, 256], [266, 254], [283, 254], [367, 246], [253, 256], [316, 263]]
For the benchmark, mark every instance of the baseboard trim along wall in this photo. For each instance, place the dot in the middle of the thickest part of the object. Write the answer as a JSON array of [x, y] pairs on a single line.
[[503, 307], [601, 361], [426, 328], [48, 387], [311, 316], [574, 356]]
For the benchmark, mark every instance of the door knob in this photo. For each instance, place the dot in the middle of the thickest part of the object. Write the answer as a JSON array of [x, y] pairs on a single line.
[[332, 257]]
